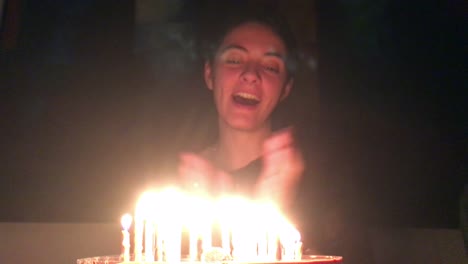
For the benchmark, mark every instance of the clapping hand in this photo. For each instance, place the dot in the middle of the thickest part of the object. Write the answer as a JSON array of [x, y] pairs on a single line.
[[282, 169]]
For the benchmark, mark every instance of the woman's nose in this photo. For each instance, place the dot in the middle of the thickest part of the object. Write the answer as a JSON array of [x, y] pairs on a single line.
[[251, 74]]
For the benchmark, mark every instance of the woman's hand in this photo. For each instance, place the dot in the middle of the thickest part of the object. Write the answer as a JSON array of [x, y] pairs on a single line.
[[198, 174], [281, 172], [283, 166]]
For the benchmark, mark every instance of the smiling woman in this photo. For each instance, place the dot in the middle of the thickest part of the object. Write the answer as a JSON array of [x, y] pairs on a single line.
[[249, 67]]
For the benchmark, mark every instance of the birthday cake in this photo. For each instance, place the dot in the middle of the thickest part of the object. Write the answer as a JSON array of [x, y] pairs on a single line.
[[248, 232]]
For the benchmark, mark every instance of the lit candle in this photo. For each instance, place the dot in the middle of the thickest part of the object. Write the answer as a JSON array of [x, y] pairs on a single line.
[[254, 231], [225, 238], [149, 240], [170, 221], [143, 222], [298, 247], [193, 237], [229, 211], [126, 221], [289, 239], [224, 218], [207, 224], [245, 243], [272, 245], [262, 244], [138, 229], [195, 226], [159, 243], [244, 238], [150, 202], [271, 221], [172, 242], [261, 233]]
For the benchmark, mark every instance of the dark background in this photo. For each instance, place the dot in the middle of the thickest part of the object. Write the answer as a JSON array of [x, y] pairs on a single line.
[[90, 116]]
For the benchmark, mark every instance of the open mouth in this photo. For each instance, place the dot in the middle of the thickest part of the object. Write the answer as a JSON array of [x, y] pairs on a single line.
[[246, 99]]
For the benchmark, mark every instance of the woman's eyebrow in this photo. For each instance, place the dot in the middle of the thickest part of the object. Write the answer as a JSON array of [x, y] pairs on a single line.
[[243, 49], [275, 54], [233, 46]]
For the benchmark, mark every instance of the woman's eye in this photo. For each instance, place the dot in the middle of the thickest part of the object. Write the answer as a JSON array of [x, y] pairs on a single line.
[[233, 61], [272, 69]]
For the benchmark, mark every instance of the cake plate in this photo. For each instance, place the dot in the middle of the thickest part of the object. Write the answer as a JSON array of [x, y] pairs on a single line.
[[117, 259]]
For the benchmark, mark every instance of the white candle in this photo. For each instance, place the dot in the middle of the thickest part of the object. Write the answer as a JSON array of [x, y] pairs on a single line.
[[173, 243], [225, 237], [126, 221], [193, 210], [138, 243], [223, 210], [193, 237], [159, 243], [272, 245], [244, 233], [297, 246], [207, 242], [236, 242], [244, 243], [144, 211], [262, 244], [298, 251], [228, 211], [200, 212], [149, 240], [170, 205], [289, 239], [264, 214], [253, 230]]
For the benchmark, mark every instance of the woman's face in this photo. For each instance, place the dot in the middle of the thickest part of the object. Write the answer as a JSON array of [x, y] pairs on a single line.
[[248, 76]]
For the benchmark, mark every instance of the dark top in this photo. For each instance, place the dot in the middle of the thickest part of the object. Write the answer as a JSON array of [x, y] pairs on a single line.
[[246, 177]]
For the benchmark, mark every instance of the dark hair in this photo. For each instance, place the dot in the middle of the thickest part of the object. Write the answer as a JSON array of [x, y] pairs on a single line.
[[229, 16]]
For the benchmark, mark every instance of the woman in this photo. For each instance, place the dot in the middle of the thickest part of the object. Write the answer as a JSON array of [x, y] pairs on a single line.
[[249, 70]]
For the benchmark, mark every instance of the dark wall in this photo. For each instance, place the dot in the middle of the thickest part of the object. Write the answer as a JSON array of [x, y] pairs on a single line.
[[393, 107], [87, 121]]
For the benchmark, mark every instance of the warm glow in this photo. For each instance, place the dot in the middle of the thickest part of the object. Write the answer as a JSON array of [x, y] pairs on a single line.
[[170, 202], [126, 221], [146, 211], [199, 210], [255, 229], [250, 230]]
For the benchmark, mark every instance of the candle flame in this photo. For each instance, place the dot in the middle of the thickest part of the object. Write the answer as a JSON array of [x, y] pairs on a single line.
[[250, 230], [126, 221]]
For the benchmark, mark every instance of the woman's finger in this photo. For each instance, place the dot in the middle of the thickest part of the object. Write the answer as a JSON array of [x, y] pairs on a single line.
[[278, 140]]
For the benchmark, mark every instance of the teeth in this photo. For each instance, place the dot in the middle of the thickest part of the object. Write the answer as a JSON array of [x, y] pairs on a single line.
[[248, 96]]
